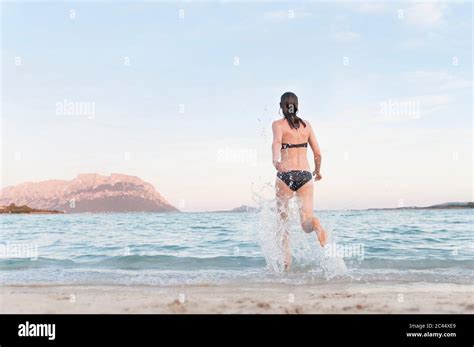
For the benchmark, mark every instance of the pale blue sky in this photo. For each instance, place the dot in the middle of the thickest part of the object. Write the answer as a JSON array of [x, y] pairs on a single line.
[[345, 61]]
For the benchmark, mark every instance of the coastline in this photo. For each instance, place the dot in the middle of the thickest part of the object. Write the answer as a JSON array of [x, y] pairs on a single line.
[[266, 298], [24, 209]]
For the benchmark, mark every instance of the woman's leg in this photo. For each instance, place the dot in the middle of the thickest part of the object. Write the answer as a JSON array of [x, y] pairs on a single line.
[[283, 195], [309, 222]]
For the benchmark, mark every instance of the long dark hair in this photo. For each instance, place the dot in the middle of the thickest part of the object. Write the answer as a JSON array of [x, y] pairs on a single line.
[[289, 107]]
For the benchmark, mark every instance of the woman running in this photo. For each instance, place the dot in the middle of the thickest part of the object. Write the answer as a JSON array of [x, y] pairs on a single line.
[[291, 136]]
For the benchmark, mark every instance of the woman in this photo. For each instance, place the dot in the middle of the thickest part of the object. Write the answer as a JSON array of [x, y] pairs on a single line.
[[291, 136]]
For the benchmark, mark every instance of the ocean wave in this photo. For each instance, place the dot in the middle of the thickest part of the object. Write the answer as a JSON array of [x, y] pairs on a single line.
[[414, 264], [139, 262], [28, 263], [169, 262]]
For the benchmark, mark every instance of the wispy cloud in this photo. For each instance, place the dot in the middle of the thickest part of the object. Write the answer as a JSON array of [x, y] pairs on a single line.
[[411, 43], [369, 7], [410, 109], [281, 15], [346, 36], [425, 14], [433, 103], [442, 80]]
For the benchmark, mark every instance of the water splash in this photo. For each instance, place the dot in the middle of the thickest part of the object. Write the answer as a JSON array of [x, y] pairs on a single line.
[[309, 259], [269, 232]]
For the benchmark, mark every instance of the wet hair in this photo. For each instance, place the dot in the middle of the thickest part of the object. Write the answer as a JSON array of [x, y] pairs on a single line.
[[289, 107]]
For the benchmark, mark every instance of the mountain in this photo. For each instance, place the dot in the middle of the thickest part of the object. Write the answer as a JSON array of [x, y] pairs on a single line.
[[240, 209], [89, 193], [244, 208]]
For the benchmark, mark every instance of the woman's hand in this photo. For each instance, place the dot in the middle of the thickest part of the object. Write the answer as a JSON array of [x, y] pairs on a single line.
[[317, 176], [280, 167]]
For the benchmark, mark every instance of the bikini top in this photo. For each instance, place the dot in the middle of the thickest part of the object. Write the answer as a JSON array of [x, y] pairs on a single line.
[[289, 145]]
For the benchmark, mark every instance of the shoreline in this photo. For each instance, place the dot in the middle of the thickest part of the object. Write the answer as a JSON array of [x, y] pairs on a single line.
[[265, 298]]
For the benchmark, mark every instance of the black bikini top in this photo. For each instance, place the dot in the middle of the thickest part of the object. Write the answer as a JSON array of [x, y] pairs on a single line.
[[289, 145]]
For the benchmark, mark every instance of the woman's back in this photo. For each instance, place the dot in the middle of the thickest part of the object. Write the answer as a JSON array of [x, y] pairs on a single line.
[[294, 158]]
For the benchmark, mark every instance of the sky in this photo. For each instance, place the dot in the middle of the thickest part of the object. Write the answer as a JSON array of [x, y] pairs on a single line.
[[183, 94]]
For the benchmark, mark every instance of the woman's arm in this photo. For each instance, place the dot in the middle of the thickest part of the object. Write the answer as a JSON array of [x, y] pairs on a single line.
[[276, 145], [313, 142]]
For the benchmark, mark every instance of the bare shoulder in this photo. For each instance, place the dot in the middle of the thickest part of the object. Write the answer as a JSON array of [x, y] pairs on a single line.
[[277, 124]]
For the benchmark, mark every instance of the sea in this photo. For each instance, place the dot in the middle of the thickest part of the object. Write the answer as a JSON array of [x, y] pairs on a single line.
[[401, 245]]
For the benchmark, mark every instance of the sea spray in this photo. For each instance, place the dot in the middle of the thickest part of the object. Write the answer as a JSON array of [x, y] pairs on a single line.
[[269, 232], [309, 258]]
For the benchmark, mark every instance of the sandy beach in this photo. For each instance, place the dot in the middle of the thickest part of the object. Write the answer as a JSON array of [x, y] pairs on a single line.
[[232, 298]]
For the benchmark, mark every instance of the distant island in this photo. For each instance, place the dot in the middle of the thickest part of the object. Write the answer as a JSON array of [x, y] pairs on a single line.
[[12, 208], [240, 209], [88, 193], [446, 205]]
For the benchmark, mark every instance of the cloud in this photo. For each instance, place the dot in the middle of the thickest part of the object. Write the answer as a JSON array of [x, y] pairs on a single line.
[[433, 103], [425, 14], [424, 40], [412, 43], [369, 7], [346, 36], [289, 14], [412, 108], [441, 79]]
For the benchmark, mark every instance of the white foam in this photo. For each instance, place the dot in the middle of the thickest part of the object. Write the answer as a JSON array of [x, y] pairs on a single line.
[[308, 256]]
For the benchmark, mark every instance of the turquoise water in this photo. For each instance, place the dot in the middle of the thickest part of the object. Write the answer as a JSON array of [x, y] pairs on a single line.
[[185, 248]]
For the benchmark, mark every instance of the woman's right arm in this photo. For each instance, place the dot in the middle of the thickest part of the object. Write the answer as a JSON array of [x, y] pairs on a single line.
[[276, 145], [313, 142]]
